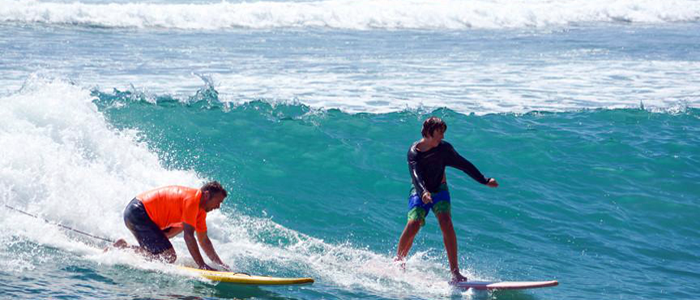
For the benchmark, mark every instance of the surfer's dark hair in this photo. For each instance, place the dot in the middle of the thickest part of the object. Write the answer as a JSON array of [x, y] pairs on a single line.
[[431, 124], [214, 187]]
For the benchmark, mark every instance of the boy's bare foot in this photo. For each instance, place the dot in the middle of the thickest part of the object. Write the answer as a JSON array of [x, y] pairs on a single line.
[[402, 263], [457, 277]]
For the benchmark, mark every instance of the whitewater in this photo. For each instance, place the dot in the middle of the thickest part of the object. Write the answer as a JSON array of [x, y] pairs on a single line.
[[345, 14]]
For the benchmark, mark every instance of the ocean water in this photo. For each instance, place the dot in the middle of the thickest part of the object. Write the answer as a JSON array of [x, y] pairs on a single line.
[[587, 113]]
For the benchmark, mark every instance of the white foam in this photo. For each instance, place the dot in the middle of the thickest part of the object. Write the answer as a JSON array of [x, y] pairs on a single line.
[[61, 160], [481, 88], [247, 241], [466, 87], [351, 14]]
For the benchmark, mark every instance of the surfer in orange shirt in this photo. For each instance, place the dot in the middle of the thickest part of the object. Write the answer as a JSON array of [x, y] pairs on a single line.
[[155, 216]]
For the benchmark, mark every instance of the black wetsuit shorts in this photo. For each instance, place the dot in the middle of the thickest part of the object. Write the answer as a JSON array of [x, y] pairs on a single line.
[[147, 233]]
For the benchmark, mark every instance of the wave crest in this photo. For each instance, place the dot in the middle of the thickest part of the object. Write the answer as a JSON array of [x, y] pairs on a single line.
[[347, 14]]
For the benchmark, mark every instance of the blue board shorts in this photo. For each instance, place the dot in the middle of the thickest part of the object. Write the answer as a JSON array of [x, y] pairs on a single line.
[[417, 210], [147, 233]]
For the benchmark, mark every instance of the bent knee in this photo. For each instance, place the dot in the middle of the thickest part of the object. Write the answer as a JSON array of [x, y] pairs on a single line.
[[414, 224], [169, 256], [444, 219]]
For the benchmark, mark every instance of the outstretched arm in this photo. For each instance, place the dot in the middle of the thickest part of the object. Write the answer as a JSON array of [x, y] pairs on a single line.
[[192, 247], [208, 248], [457, 161]]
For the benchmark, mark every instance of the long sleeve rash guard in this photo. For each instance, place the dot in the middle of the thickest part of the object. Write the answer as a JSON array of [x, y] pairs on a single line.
[[428, 168]]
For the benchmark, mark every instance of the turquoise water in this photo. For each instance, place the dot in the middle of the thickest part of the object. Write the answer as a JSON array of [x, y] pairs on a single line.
[[587, 113], [603, 200]]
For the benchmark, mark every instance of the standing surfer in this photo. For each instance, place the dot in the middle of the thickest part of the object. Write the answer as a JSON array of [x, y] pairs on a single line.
[[427, 159]]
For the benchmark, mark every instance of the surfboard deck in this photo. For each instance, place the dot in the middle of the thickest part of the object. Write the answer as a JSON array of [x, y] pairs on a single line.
[[239, 278], [504, 285]]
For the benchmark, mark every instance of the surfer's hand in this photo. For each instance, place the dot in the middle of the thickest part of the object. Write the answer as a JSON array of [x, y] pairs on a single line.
[[492, 183], [427, 198]]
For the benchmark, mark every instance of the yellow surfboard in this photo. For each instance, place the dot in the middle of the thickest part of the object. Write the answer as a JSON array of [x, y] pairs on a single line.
[[241, 278]]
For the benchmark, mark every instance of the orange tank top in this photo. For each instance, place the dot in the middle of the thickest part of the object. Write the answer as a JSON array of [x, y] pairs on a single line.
[[170, 205]]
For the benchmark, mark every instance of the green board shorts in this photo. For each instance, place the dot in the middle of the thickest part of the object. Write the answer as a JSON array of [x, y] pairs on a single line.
[[417, 210]]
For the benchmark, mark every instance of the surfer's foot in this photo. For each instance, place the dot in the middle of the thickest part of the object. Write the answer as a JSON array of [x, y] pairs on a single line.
[[401, 263], [120, 244], [457, 277]]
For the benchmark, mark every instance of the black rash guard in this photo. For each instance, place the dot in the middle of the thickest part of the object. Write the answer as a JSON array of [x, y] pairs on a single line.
[[428, 168]]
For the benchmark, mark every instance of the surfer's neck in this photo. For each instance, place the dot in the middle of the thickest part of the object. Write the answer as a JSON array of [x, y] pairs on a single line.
[[425, 144]]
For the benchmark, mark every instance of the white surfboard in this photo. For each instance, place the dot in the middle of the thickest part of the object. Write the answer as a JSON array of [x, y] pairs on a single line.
[[504, 285]]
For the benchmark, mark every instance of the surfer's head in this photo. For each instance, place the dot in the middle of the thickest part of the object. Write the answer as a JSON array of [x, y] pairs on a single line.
[[431, 125], [212, 195]]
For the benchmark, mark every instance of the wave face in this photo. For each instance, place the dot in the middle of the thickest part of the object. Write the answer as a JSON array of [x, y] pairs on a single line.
[[347, 14]]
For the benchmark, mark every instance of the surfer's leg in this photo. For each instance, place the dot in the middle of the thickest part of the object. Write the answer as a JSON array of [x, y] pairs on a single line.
[[153, 243], [155, 249], [156, 245], [122, 244], [168, 256], [416, 218], [442, 208], [450, 239], [406, 239]]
